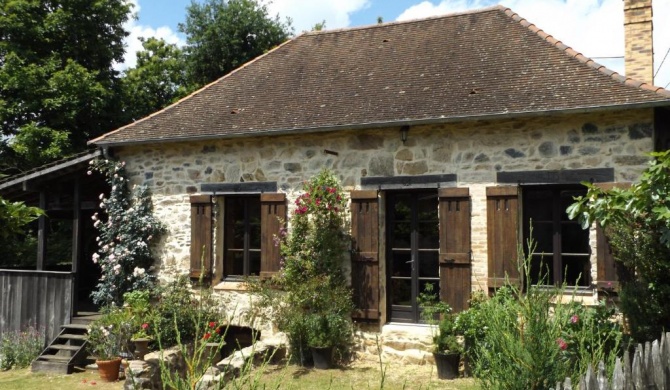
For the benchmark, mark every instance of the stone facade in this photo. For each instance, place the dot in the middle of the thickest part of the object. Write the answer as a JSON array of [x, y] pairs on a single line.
[[475, 151]]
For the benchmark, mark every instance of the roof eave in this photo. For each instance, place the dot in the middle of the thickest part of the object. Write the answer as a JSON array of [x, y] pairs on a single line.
[[372, 125]]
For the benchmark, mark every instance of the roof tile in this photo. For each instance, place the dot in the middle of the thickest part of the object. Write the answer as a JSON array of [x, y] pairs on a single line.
[[402, 72]]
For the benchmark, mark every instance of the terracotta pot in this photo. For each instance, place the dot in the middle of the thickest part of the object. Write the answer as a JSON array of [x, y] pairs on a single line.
[[447, 365], [109, 369], [141, 348], [323, 357]]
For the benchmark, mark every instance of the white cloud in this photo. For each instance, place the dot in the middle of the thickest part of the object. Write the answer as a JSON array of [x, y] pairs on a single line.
[[593, 27], [137, 30], [305, 14]]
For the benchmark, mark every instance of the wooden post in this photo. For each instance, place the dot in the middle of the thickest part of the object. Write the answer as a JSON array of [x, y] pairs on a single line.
[[76, 244], [42, 233]]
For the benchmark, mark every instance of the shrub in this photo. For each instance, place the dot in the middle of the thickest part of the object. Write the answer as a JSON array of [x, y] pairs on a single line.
[[110, 335], [19, 349]]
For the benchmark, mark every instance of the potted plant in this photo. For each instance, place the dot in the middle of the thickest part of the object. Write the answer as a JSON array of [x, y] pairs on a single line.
[[324, 332], [106, 340], [141, 339], [446, 347]]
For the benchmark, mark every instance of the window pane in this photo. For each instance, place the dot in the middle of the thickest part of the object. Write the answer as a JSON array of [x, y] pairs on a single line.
[[401, 292], [541, 270], [543, 235], [429, 235], [234, 263], [577, 269], [427, 205], [538, 205], [255, 236], [574, 239], [429, 266]]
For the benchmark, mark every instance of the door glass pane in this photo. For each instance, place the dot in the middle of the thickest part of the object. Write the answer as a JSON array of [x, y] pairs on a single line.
[[402, 232], [429, 266], [402, 208], [402, 265], [538, 205], [254, 262], [427, 207], [255, 236], [401, 292], [429, 235]]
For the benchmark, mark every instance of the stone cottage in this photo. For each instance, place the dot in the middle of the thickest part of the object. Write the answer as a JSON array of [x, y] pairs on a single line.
[[450, 134]]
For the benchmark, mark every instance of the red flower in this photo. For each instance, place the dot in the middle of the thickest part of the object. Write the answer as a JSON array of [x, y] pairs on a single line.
[[206, 336], [212, 324], [561, 344], [145, 326]]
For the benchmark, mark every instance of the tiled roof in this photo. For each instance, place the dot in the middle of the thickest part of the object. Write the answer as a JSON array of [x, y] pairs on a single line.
[[478, 64]]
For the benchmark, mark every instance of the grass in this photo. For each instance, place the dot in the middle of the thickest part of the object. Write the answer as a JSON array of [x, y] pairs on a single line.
[[360, 375]]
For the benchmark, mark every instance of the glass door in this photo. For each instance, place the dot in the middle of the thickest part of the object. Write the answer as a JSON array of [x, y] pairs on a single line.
[[412, 251]]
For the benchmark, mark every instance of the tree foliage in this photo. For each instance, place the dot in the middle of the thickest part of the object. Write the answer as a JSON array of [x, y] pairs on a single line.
[[637, 222], [224, 34], [157, 80], [58, 84]]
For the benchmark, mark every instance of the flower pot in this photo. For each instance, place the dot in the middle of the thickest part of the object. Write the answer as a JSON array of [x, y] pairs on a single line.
[[109, 369], [141, 348], [447, 365], [323, 357]]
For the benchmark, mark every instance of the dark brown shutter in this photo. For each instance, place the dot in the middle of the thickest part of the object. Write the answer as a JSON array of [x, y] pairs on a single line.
[[201, 236], [365, 259], [273, 217], [502, 219], [608, 272], [455, 251]]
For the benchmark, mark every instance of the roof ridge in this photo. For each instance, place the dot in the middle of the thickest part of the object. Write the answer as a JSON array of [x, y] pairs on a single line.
[[570, 52], [396, 22]]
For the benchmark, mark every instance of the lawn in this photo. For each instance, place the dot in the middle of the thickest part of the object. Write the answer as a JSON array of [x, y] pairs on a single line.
[[360, 375]]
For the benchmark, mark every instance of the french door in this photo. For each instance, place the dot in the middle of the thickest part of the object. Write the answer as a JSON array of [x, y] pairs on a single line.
[[412, 251]]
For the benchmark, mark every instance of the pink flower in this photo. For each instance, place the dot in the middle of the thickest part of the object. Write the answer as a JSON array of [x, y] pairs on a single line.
[[574, 319], [561, 344], [145, 326]]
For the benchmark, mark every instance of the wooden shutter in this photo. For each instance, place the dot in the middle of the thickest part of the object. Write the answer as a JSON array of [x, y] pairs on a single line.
[[273, 217], [201, 236], [455, 251], [502, 219], [607, 269], [365, 259]]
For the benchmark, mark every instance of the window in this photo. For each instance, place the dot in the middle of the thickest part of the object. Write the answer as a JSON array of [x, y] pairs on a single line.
[[562, 254], [242, 236]]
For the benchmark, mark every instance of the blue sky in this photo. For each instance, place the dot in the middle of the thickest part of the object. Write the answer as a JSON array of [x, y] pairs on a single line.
[[593, 27]]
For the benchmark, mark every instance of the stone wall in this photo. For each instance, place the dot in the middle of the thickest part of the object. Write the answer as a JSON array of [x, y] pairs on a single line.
[[474, 151]]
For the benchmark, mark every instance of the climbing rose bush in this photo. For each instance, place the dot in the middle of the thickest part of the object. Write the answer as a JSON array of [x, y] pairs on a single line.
[[126, 228]]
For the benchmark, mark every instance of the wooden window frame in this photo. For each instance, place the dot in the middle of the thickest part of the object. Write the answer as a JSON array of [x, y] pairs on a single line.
[[228, 231]]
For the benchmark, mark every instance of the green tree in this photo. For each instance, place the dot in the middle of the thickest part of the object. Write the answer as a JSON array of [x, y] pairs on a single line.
[[57, 84], [15, 241], [156, 81], [222, 35], [637, 222]]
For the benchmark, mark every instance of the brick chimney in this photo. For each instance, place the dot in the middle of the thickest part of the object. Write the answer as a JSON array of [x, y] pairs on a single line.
[[638, 32]]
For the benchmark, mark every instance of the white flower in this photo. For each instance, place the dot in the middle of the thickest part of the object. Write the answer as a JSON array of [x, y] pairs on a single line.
[[89, 173], [101, 196], [111, 257], [95, 258], [113, 188], [102, 205], [137, 272]]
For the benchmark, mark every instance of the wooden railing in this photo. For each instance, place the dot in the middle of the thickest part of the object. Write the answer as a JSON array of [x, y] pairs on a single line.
[[649, 369], [35, 298]]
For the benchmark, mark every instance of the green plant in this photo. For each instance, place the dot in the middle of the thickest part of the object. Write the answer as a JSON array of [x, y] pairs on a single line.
[[19, 349], [125, 236], [438, 315], [471, 323], [214, 332], [314, 289], [110, 335]]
